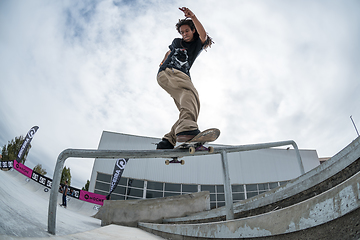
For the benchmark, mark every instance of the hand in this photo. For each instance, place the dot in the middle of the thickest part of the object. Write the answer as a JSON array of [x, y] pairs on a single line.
[[188, 13]]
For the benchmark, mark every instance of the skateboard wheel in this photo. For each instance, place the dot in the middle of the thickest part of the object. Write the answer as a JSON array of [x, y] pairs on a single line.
[[167, 162], [211, 149], [182, 162], [191, 150]]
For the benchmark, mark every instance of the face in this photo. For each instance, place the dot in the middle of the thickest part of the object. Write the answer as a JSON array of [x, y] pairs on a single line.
[[186, 33]]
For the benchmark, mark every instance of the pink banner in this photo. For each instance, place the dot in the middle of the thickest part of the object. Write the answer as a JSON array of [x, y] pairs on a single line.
[[84, 195], [21, 168], [92, 197]]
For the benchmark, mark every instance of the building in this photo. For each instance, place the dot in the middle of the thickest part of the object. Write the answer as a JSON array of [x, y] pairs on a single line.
[[251, 172]]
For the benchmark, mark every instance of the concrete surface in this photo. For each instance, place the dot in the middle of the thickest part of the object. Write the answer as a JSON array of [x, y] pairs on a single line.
[[337, 169], [108, 232], [24, 214], [130, 212], [319, 210], [323, 214]]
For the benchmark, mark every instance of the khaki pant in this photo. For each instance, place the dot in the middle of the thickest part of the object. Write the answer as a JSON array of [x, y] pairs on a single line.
[[186, 98]]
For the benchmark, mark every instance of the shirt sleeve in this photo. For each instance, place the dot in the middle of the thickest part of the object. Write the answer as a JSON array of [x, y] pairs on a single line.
[[175, 44]]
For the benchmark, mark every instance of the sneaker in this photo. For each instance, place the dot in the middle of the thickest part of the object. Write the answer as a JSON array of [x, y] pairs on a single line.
[[164, 144], [187, 135]]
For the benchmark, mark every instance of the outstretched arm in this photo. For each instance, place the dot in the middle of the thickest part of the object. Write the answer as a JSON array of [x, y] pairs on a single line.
[[199, 27]]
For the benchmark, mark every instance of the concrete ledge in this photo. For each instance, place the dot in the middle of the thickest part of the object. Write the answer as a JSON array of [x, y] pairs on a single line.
[[340, 167], [130, 212], [318, 212]]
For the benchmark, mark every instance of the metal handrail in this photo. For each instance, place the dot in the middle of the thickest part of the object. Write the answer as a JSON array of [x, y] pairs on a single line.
[[87, 153]]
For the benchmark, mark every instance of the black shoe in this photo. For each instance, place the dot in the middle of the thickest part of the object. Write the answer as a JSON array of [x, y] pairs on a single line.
[[187, 135], [164, 144]]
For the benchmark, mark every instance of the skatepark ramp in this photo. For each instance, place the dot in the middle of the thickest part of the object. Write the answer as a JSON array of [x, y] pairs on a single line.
[[24, 209], [324, 203], [23, 214]]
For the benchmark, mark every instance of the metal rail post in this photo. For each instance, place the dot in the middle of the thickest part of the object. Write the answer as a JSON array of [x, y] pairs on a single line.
[[302, 170], [53, 193], [229, 205]]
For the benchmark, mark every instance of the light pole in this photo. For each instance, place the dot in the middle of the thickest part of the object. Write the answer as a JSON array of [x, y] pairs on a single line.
[[354, 125]]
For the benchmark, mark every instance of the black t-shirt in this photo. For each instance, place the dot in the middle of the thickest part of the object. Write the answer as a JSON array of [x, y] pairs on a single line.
[[183, 55], [64, 189]]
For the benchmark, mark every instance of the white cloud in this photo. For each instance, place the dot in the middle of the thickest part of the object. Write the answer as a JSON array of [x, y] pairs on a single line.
[[278, 70]]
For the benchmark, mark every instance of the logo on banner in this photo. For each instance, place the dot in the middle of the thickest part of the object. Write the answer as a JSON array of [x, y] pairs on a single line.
[[32, 132], [118, 170], [23, 169], [24, 146], [92, 197], [121, 163]]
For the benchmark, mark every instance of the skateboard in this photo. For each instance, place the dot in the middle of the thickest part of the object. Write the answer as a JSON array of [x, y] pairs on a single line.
[[197, 144]]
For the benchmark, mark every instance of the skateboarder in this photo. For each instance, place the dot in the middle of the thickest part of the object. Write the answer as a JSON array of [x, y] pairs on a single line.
[[174, 78]]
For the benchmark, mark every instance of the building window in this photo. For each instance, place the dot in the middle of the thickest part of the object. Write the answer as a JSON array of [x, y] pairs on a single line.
[[217, 196], [283, 183], [238, 192], [169, 194], [170, 187], [120, 190], [134, 193], [126, 189], [136, 189], [211, 189], [134, 183], [256, 189], [154, 189], [273, 185], [264, 187], [154, 194], [103, 177], [155, 186], [187, 188]]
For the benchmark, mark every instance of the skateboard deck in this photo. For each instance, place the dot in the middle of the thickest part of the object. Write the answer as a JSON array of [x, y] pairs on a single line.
[[197, 144]]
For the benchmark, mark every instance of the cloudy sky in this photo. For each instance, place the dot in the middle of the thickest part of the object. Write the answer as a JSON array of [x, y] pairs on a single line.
[[279, 70]]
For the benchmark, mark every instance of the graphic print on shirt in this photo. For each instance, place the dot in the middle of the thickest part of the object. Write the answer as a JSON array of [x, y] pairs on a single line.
[[180, 60]]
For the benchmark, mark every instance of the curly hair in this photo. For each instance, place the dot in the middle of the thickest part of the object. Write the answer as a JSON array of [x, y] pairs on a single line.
[[191, 24]]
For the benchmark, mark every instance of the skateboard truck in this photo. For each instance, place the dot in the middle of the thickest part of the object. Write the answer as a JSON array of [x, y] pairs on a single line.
[[192, 150], [200, 147], [197, 144], [174, 160]]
